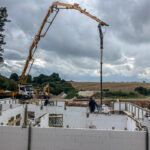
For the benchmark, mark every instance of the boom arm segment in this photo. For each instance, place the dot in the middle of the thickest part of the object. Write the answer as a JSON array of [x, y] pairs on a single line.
[[76, 6], [56, 6]]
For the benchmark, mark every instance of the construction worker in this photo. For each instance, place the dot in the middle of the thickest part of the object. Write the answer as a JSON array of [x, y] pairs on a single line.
[[92, 105], [46, 102]]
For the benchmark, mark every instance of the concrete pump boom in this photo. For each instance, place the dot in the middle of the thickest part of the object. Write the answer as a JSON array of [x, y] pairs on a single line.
[[55, 7]]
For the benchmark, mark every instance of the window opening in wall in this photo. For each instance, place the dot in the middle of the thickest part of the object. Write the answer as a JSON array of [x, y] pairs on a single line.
[[18, 119], [55, 120], [31, 115], [11, 121]]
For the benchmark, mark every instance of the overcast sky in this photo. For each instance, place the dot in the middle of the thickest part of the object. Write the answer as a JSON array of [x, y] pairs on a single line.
[[71, 47]]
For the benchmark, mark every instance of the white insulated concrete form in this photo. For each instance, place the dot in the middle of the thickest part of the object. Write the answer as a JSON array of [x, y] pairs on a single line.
[[72, 117], [16, 138], [77, 130]]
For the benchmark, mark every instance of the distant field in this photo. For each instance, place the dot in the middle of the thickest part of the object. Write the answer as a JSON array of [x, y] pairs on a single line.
[[113, 86]]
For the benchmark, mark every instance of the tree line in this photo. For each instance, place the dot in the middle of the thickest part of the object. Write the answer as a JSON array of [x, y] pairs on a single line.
[[138, 92], [57, 85]]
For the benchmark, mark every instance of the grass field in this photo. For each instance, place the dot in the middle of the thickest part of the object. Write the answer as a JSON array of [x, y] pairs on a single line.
[[113, 86]]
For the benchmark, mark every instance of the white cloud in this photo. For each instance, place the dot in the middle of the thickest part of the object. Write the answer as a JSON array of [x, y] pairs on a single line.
[[145, 74], [40, 63]]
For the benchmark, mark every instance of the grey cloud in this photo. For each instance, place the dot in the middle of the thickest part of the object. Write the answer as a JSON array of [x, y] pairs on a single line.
[[12, 55], [67, 38], [142, 58], [128, 19], [73, 39]]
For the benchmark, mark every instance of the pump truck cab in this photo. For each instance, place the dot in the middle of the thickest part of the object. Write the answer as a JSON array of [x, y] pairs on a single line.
[[26, 91]]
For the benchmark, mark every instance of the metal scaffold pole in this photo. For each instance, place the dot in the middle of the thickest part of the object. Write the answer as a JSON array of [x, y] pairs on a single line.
[[101, 65]]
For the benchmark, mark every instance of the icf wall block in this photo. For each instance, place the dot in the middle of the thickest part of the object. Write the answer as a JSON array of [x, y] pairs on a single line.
[[125, 106], [116, 106], [83, 139], [144, 113], [140, 114], [5, 100], [16, 138], [137, 116], [128, 107], [6, 106], [135, 111], [119, 106], [131, 124], [60, 104], [44, 121], [74, 117], [131, 108], [122, 106], [7, 114], [46, 109], [13, 138], [117, 122], [74, 120]]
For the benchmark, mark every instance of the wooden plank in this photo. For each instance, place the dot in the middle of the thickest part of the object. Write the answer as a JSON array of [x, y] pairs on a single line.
[[14, 121]]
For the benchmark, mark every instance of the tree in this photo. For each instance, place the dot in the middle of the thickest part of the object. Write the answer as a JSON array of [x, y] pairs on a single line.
[[55, 77], [3, 19], [12, 85], [7, 84], [14, 76], [29, 79], [2, 81], [41, 79], [142, 90]]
